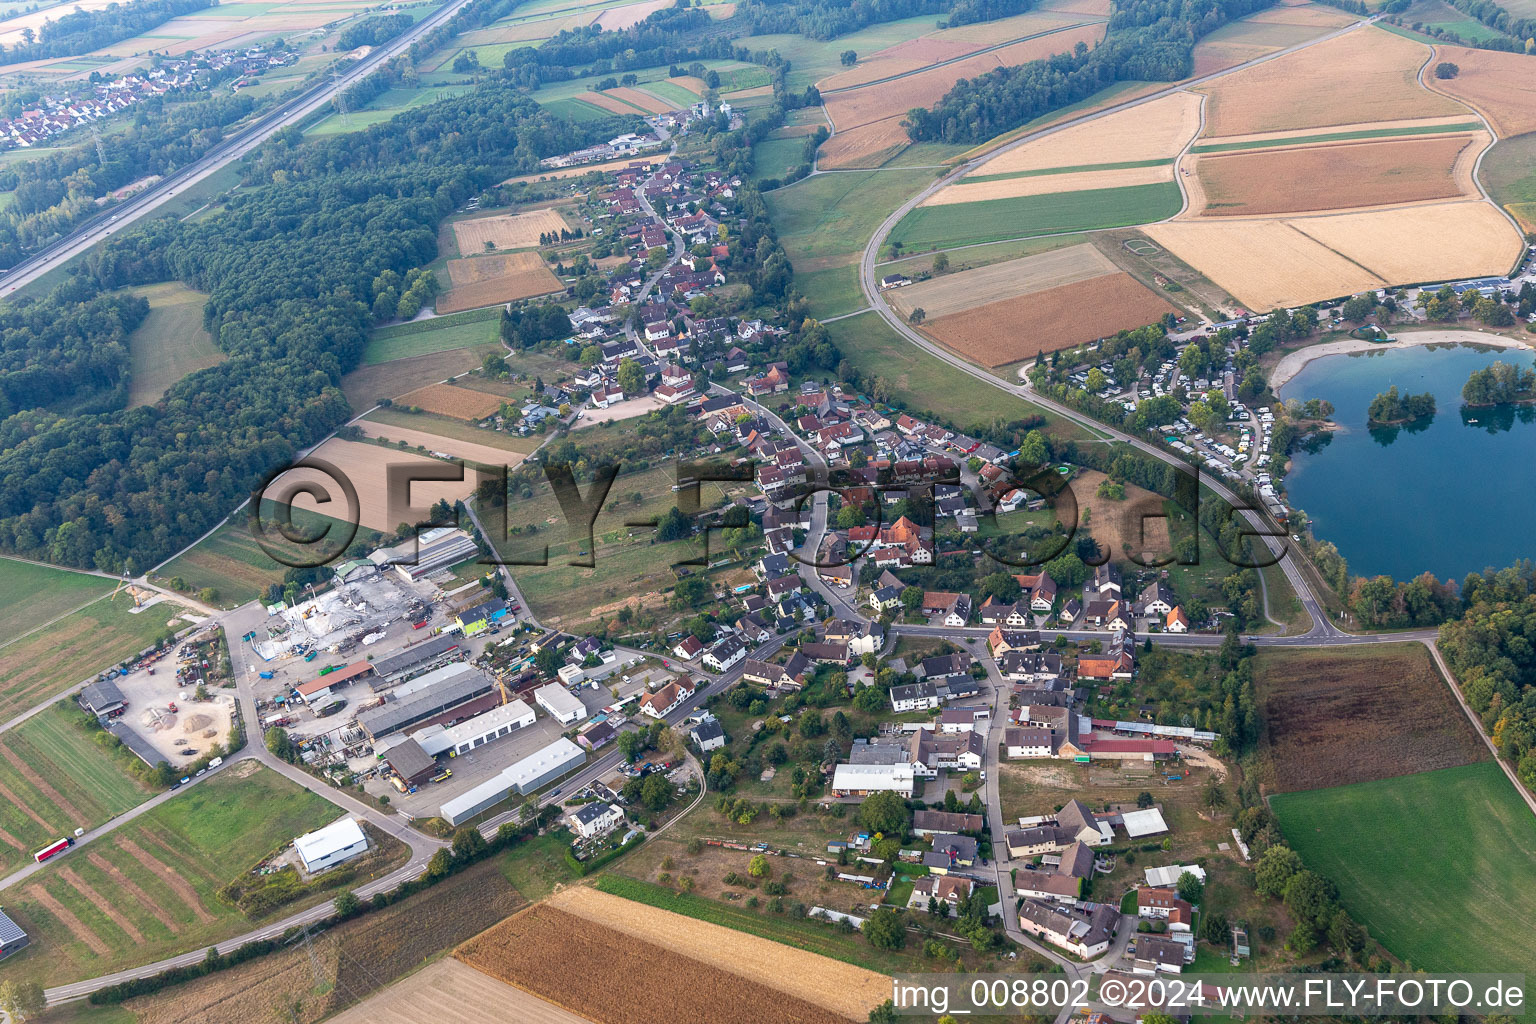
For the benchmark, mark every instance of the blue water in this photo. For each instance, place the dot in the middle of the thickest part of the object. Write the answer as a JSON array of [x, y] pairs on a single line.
[[1448, 495]]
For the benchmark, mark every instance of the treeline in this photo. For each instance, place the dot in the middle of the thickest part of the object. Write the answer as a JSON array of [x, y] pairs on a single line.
[[473, 15], [55, 349], [1148, 40], [57, 191], [828, 19], [291, 269], [82, 31], [673, 35], [1519, 33], [373, 31], [1499, 384]]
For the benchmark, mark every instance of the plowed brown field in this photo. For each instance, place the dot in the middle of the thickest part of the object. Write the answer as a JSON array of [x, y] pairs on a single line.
[[1499, 85], [1335, 177], [1011, 330], [448, 400], [579, 965], [505, 277]]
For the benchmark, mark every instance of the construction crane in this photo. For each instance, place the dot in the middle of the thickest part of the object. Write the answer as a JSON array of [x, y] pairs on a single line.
[[133, 591], [506, 694]]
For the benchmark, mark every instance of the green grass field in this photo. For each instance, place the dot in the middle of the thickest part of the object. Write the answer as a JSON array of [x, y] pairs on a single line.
[[1438, 866], [940, 227], [983, 255], [42, 593], [775, 158], [831, 292], [469, 329], [579, 111], [1435, 14], [1364, 133], [1509, 174], [812, 60], [174, 859], [383, 107], [67, 780], [672, 93], [828, 216], [1123, 165], [170, 343], [41, 664]]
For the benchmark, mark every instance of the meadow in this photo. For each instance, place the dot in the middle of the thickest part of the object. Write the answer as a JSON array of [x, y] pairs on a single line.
[[163, 870], [831, 292], [942, 227], [1437, 865], [1509, 174], [50, 593], [825, 220], [170, 343], [470, 329]]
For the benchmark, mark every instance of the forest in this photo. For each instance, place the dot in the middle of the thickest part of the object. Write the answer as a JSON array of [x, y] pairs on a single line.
[[828, 19], [291, 269], [1499, 384], [82, 31], [1391, 407], [669, 36], [373, 31], [55, 350], [1148, 40]]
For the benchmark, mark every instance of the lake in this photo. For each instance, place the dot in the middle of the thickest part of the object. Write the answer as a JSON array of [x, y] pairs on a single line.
[[1451, 495]]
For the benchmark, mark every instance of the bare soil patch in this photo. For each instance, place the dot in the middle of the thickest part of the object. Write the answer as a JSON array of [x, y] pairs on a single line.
[[1019, 328], [452, 400], [180, 886], [507, 230], [64, 916], [1333, 718], [692, 83], [1331, 177], [84, 888], [469, 451], [1366, 75], [605, 102], [10, 840], [1136, 525], [573, 962], [10, 797], [487, 280], [451, 992], [1152, 131], [133, 889], [365, 385], [954, 293], [1498, 85]]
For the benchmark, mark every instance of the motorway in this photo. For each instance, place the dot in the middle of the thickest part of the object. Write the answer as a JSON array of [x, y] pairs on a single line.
[[290, 112]]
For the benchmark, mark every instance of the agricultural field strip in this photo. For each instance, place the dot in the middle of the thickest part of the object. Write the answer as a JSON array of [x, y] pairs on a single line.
[[1446, 125], [1123, 165], [953, 293], [963, 192]]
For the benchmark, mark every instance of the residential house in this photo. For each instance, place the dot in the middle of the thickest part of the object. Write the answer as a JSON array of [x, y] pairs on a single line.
[[591, 820], [667, 699], [725, 653], [949, 890]]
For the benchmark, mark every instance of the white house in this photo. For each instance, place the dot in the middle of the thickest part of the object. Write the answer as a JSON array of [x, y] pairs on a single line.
[[561, 705], [590, 820], [726, 652]]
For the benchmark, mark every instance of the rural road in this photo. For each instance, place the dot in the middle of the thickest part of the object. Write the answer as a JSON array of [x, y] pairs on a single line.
[[290, 112]]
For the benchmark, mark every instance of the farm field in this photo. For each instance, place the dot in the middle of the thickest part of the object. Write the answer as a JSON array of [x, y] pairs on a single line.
[[507, 230], [1152, 131], [984, 255], [1265, 32], [1509, 174], [868, 119], [50, 593], [454, 993], [645, 101], [954, 292], [472, 329], [1020, 186], [533, 950], [53, 779], [38, 665], [942, 227], [1018, 328], [383, 107], [1496, 84], [456, 438], [1337, 717], [366, 467], [1434, 242], [1435, 14], [452, 401], [1305, 136], [825, 220], [487, 280], [1433, 864], [775, 158], [174, 859], [358, 959], [1338, 177], [1305, 89], [170, 343], [831, 292]]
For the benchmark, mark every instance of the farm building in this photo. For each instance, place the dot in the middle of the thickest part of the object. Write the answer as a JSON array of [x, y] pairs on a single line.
[[102, 699], [413, 659], [423, 704], [1167, 877], [411, 762], [332, 845], [12, 938], [427, 552], [475, 732], [560, 703], [532, 772], [1144, 823]]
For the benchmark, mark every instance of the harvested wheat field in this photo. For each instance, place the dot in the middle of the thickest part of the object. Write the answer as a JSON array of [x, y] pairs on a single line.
[[573, 962], [833, 984], [1498, 85], [1336, 177], [1435, 242], [366, 466], [1048, 184], [1152, 131], [912, 55], [606, 102], [1263, 264], [617, 18], [1465, 121], [507, 230], [1012, 330], [952, 293], [450, 400], [1264, 32], [1366, 75], [486, 280], [469, 451], [692, 83], [644, 100], [1093, 8], [450, 992], [868, 119]]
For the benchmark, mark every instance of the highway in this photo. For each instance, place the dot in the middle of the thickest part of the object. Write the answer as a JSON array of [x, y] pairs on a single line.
[[293, 111]]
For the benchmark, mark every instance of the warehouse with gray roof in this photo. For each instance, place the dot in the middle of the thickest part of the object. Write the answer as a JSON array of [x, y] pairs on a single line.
[[424, 704], [533, 772], [416, 658]]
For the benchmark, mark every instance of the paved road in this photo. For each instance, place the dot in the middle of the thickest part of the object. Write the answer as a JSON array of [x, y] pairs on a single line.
[[243, 142]]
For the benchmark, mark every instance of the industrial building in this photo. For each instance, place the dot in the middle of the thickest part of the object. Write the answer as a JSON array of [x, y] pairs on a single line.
[[318, 690], [411, 762], [416, 658], [427, 552], [532, 772], [102, 699], [424, 704], [475, 732], [864, 779], [436, 677], [561, 704], [332, 845], [12, 938]]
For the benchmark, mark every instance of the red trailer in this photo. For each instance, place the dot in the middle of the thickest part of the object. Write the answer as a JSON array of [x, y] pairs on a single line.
[[52, 849]]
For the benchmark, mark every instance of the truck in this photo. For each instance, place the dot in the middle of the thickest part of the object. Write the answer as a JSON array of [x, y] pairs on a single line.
[[215, 762], [53, 849], [265, 675], [311, 656]]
